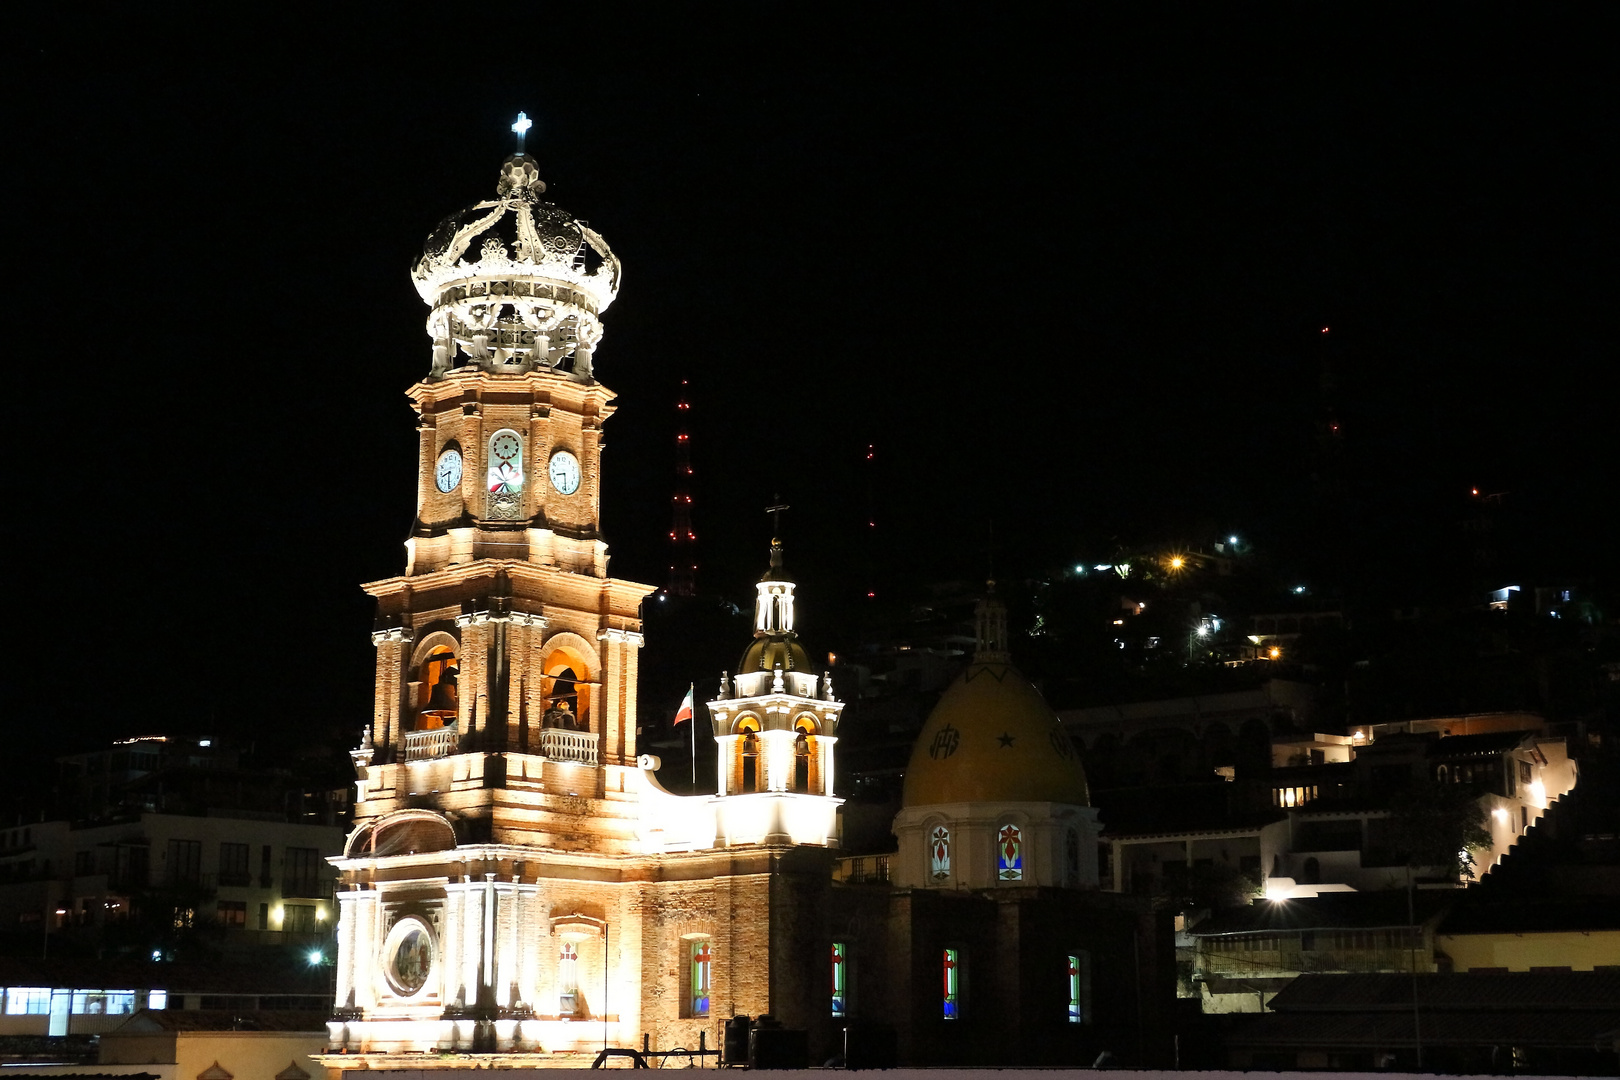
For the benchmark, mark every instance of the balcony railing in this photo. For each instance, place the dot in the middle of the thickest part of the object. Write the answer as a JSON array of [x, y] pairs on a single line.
[[431, 743], [560, 744]]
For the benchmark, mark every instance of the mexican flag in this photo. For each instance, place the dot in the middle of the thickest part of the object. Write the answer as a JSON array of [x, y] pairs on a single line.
[[685, 711]]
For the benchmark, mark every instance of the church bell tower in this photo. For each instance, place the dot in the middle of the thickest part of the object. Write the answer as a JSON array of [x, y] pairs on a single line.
[[505, 635]]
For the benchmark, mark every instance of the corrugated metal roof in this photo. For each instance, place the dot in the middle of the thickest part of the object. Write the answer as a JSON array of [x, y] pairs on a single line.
[[1330, 911], [1534, 991], [1396, 1029]]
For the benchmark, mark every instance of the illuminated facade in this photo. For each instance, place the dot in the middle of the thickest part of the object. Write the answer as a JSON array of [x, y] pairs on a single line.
[[517, 886]]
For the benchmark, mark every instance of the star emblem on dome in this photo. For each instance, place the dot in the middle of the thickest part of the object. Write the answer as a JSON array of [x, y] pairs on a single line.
[[1005, 739]]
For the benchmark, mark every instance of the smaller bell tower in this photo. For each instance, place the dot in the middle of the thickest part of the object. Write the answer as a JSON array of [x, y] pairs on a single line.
[[775, 727]]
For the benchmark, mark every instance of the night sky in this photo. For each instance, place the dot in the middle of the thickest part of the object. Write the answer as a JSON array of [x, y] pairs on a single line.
[[1067, 275]]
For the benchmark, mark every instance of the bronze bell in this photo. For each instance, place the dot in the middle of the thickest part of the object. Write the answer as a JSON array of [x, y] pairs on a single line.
[[443, 698]]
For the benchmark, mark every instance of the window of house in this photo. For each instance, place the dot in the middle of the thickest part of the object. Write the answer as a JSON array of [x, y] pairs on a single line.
[[28, 1000], [298, 918], [840, 979], [232, 913], [303, 872], [939, 853], [183, 862], [1010, 853], [103, 1002], [264, 916], [84, 862], [568, 978], [1079, 987], [233, 865], [702, 967], [951, 970], [157, 1000]]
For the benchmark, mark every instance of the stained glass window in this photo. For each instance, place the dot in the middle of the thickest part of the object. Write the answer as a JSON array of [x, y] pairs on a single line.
[[951, 965], [1079, 987], [1010, 853], [939, 853], [840, 979], [702, 961], [568, 978]]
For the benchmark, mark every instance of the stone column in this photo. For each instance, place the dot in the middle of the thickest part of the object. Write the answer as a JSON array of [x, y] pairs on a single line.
[[610, 725], [367, 912], [472, 684], [346, 949]]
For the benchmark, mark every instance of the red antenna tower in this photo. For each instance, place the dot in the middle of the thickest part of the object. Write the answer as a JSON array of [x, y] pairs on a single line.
[[682, 539]]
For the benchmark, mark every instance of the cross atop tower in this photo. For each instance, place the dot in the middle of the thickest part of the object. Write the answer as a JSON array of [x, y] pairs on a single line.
[[776, 516], [521, 128]]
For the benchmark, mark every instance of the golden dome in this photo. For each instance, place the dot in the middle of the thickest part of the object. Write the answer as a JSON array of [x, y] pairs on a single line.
[[993, 738], [767, 652]]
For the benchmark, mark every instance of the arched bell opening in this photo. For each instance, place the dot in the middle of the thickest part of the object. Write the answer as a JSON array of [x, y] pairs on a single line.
[[806, 757], [747, 768], [566, 688], [437, 699]]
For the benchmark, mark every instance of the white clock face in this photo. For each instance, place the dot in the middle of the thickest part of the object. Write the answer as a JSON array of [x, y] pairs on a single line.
[[564, 472], [447, 473]]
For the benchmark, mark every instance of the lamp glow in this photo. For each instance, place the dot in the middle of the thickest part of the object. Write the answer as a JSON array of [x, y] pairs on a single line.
[[522, 125]]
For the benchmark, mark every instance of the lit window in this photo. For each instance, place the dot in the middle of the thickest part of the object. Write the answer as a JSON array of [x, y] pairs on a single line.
[[939, 853], [1079, 987], [840, 979], [951, 963], [157, 1000], [28, 1000], [1010, 853], [702, 963]]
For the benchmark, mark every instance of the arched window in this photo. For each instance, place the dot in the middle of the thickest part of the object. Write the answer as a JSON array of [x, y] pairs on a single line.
[[505, 475], [1071, 859], [1010, 853], [939, 853]]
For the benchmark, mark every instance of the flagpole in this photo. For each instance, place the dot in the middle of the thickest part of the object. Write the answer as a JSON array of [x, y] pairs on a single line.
[[691, 692]]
